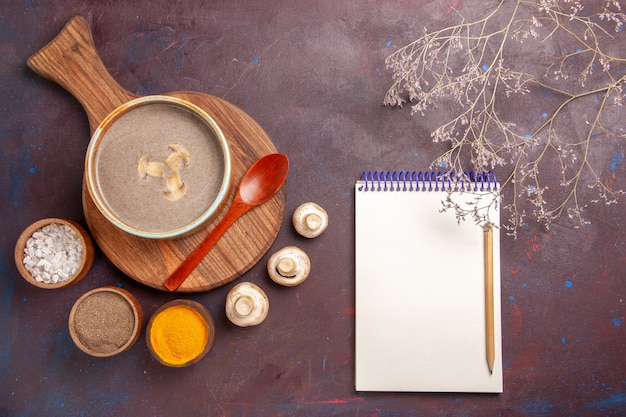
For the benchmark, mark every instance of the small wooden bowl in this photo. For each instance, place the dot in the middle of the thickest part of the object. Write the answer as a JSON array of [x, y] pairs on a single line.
[[87, 260], [152, 332], [105, 321]]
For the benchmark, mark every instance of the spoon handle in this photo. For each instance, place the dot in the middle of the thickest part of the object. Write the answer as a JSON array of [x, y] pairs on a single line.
[[181, 273]]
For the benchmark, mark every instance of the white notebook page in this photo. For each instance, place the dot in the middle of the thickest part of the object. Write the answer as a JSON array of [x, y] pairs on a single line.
[[420, 295]]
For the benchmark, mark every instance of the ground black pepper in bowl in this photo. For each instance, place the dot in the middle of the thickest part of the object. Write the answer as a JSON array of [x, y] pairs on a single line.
[[105, 321]]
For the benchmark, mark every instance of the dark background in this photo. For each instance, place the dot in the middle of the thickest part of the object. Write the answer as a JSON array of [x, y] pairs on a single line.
[[312, 74]]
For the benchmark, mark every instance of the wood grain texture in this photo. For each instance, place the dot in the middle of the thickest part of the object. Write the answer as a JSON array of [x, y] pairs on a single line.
[[71, 60]]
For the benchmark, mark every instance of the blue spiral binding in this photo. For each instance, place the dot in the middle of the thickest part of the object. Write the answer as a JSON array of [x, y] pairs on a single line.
[[429, 181]]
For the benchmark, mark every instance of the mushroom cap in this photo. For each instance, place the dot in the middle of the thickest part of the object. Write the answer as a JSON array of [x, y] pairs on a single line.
[[310, 220], [246, 305], [290, 266]]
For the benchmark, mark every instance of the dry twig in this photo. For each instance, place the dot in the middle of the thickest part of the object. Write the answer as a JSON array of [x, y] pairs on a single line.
[[472, 65]]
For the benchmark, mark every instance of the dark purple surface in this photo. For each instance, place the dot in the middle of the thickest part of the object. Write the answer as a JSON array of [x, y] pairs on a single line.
[[312, 74]]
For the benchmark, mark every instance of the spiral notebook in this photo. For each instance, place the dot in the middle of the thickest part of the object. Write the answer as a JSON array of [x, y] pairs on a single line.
[[420, 282]]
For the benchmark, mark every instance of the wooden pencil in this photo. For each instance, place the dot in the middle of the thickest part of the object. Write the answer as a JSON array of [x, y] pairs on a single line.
[[489, 307]]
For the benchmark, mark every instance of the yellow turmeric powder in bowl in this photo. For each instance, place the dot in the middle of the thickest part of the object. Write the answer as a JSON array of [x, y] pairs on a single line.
[[180, 333]]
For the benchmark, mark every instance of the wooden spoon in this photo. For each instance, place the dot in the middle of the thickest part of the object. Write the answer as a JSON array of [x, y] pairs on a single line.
[[259, 184]]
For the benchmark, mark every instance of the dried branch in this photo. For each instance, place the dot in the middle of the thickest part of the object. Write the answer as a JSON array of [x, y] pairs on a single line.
[[472, 65]]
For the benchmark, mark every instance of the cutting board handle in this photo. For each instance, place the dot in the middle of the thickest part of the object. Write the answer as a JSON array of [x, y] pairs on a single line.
[[71, 60]]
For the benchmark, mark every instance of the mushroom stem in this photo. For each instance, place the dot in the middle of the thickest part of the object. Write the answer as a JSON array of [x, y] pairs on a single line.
[[287, 267], [313, 221], [244, 305]]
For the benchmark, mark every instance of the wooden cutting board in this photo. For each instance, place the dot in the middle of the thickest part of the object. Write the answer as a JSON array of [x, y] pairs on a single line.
[[71, 61]]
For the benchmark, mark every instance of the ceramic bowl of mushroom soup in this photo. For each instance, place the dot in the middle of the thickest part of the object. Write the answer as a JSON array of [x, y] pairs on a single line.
[[158, 167]]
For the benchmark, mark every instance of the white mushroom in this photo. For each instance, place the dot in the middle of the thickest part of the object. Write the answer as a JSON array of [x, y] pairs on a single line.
[[289, 266], [246, 305], [176, 189], [310, 220], [149, 168], [178, 159]]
